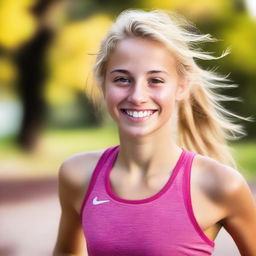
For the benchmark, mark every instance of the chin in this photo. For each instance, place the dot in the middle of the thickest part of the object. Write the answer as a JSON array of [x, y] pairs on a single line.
[[136, 132]]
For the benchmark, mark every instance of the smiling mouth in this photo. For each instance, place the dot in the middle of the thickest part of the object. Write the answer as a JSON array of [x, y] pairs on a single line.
[[138, 113]]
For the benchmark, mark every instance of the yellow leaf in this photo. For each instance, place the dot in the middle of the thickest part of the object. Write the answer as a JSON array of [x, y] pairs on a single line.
[[71, 57], [16, 23]]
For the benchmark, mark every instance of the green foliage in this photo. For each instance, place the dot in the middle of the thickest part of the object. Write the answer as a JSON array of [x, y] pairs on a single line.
[[241, 36], [197, 10], [244, 153]]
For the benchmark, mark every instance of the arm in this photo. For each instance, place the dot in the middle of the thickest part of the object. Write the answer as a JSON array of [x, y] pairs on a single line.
[[70, 240], [240, 221]]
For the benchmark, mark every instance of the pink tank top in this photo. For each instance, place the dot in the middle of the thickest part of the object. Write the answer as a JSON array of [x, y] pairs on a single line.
[[161, 225]]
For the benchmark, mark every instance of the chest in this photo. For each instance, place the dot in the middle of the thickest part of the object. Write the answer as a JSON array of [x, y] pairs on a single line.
[[206, 213], [137, 188], [156, 227]]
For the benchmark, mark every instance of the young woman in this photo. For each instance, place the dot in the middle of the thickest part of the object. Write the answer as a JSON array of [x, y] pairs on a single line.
[[171, 184]]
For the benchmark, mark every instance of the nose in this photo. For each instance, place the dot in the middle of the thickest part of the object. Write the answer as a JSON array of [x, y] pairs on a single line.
[[138, 93]]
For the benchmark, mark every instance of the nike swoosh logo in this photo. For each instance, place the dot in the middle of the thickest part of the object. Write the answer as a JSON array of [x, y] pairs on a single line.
[[95, 201]]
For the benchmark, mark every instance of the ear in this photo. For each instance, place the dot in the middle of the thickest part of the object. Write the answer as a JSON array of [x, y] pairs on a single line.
[[182, 91]]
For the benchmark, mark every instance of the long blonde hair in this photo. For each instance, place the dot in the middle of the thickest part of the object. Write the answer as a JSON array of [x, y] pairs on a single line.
[[204, 126]]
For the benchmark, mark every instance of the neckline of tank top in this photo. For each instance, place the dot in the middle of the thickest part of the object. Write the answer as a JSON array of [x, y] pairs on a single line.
[[113, 156]]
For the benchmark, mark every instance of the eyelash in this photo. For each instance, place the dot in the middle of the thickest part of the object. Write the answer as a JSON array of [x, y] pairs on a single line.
[[157, 80], [121, 79]]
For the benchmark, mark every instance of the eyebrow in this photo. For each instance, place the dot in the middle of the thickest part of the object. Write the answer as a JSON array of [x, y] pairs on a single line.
[[124, 71]]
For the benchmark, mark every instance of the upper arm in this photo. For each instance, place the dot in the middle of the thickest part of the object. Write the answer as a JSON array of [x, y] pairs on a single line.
[[240, 221], [70, 234], [74, 177], [230, 194]]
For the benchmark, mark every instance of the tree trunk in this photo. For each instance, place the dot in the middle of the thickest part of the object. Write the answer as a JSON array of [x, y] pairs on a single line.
[[32, 74]]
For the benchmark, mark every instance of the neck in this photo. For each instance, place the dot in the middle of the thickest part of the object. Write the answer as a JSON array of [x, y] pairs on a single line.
[[147, 155]]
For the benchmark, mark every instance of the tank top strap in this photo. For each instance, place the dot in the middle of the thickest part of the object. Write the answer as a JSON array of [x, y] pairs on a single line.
[[186, 188], [189, 156], [181, 172], [105, 159], [186, 179]]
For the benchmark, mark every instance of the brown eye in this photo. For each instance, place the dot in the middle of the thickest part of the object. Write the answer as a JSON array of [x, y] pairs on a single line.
[[122, 80], [156, 81]]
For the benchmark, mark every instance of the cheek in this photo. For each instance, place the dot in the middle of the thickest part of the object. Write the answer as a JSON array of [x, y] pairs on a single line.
[[165, 97], [112, 98], [110, 101]]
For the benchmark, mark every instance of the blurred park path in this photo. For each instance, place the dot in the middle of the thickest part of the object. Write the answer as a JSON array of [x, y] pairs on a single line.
[[29, 218], [29, 215]]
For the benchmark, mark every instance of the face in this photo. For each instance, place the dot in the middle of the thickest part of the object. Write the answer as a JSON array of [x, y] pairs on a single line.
[[142, 86]]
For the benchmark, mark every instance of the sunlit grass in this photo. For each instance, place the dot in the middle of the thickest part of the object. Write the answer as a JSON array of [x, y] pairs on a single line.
[[57, 145], [54, 147]]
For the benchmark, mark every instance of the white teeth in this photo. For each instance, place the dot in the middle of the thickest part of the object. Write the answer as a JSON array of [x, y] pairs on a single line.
[[139, 113]]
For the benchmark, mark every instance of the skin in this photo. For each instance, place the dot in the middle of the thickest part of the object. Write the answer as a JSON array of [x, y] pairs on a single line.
[[147, 78]]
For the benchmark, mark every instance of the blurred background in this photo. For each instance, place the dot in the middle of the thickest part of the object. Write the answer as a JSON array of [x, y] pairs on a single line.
[[47, 48]]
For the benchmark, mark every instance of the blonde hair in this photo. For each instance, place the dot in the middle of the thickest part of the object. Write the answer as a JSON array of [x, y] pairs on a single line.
[[204, 126]]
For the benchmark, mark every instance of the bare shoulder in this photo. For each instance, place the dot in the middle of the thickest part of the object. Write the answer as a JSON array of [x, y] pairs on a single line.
[[229, 191], [79, 167], [219, 181], [74, 176]]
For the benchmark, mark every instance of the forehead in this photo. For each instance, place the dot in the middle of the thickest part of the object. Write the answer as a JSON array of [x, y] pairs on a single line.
[[141, 53]]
